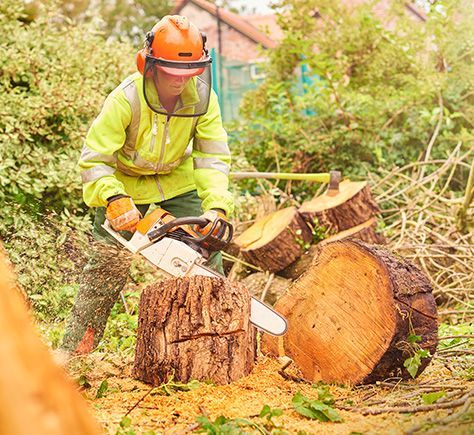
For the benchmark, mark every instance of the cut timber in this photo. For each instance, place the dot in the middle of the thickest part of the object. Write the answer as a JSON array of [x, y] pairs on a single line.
[[35, 395], [352, 206], [365, 232], [350, 315], [195, 327], [274, 242]]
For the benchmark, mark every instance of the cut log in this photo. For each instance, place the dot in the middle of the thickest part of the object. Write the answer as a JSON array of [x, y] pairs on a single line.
[[194, 328], [35, 395], [274, 242], [350, 315], [352, 206], [365, 232], [270, 286]]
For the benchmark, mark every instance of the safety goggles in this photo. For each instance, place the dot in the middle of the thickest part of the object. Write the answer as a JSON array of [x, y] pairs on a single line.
[[177, 88]]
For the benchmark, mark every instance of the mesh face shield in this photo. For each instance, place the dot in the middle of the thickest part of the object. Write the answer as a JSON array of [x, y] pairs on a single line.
[[176, 88]]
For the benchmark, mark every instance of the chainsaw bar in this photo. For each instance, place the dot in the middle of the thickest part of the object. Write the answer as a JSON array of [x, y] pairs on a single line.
[[177, 259]]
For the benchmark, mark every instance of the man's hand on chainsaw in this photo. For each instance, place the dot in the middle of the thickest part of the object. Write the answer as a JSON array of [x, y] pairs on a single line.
[[212, 216], [122, 213]]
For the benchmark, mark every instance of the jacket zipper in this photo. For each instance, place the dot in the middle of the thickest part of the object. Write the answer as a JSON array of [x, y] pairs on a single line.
[[162, 155], [154, 132], [163, 143]]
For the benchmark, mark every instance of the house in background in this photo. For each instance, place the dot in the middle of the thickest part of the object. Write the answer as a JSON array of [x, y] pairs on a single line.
[[236, 43]]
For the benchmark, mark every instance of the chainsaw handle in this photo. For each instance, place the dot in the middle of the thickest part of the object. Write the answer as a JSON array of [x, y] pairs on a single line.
[[215, 242]]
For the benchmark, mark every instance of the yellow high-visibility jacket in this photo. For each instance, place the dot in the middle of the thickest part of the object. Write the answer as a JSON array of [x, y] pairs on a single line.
[[131, 150]]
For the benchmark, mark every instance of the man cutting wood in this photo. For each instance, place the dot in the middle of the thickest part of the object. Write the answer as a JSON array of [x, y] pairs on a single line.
[[158, 140]]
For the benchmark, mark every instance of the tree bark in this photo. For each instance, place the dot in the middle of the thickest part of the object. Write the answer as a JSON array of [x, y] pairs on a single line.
[[275, 241], [350, 315], [352, 206], [35, 395], [194, 328]]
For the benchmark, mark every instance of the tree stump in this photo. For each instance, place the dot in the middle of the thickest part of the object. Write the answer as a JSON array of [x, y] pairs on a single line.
[[352, 206], [36, 397], [194, 328], [351, 314], [365, 232], [275, 241]]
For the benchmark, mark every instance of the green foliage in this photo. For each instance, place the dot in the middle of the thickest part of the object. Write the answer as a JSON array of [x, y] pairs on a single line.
[[102, 390], [131, 20], [413, 363], [223, 425], [314, 409], [324, 394], [416, 352], [376, 91], [54, 76], [430, 398], [125, 428], [172, 386]]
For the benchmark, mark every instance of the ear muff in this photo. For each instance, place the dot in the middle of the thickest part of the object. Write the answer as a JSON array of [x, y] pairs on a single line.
[[141, 61], [204, 40], [147, 49]]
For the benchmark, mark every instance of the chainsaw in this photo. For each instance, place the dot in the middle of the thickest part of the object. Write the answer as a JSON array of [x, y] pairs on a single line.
[[173, 246]]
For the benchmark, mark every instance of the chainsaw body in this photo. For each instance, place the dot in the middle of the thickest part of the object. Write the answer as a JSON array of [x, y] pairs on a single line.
[[172, 245]]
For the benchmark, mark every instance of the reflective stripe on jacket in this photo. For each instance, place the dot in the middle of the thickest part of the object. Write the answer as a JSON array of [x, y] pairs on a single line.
[[131, 150]]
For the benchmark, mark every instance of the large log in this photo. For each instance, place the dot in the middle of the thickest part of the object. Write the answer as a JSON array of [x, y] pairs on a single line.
[[276, 240], [35, 395], [194, 328], [365, 232], [352, 206], [351, 314]]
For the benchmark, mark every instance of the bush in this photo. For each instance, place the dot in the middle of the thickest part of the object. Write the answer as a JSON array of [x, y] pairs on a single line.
[[54, 76], [377, 93]]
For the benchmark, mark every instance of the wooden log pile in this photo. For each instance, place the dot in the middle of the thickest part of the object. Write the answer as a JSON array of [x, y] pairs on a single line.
[[279, 240]]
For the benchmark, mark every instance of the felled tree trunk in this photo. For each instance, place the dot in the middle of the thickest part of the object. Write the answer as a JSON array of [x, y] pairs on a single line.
[[276, 240], [365, 232], [352, 206], [35, 395], [351, 314], [194, 328]]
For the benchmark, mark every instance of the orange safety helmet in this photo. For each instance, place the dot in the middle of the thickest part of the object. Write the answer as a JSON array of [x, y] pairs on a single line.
[[174, 38]]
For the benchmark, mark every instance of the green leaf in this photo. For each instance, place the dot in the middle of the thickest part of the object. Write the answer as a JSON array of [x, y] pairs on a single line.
[[314, 409], [104, 386], [412, 364], [83, 381], [125, 422], [431, 398], [413, 338]]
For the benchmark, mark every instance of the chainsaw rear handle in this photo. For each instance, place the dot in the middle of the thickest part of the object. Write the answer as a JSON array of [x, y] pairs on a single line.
[[214, 242]]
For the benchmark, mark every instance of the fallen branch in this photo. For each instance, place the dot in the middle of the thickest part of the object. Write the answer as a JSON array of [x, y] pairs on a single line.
[[420, 408]]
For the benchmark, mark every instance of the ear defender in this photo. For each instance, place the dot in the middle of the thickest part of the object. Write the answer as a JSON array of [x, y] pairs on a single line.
[[204, 40], [147, 49]]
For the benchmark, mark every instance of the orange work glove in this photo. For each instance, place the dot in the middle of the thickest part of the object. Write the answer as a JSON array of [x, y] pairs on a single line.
[[122, 213], [211, 216]]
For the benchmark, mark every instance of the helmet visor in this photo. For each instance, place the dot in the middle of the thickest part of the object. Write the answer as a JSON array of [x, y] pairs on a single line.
[[176, 88]]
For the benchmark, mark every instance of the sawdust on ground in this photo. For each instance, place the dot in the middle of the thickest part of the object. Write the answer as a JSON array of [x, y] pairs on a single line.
[[176, 413]]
